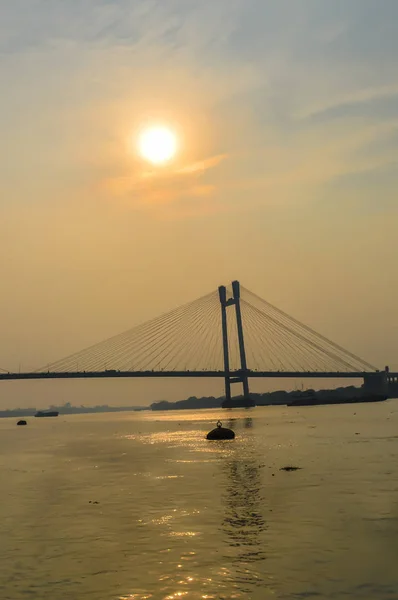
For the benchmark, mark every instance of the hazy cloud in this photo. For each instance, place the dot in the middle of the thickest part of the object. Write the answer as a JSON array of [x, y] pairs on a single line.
[[164, 185]]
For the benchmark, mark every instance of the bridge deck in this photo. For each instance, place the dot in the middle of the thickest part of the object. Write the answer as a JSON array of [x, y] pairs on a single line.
[[110, 374]]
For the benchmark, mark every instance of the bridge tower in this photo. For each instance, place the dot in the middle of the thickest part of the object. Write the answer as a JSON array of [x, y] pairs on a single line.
[[242, 377]]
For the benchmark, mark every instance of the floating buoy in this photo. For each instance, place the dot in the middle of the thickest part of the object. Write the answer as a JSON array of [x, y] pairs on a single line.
[[22, 422], [220, 433]]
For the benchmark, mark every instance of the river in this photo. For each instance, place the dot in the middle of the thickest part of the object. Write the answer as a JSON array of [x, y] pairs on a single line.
[[134, 506]]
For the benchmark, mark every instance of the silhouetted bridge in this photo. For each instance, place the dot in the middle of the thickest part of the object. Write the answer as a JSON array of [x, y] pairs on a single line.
[[110, 374], [198, 340]]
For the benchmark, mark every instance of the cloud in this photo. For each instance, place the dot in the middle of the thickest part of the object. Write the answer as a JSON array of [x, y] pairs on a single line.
[[166, 186], [180, 24], [202, 166], [346, 100], [299, 169], [267, 101]]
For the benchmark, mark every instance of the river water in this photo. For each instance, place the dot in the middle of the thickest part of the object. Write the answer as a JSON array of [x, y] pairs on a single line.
[[133, 506]]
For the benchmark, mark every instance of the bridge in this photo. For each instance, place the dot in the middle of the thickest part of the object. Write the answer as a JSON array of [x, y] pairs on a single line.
[[231, 334]]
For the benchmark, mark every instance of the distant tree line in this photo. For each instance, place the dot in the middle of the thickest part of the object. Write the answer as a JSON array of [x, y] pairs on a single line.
[[280, 397]]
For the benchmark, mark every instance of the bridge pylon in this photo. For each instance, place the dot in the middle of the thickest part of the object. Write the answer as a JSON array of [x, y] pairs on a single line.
[[242, 376]]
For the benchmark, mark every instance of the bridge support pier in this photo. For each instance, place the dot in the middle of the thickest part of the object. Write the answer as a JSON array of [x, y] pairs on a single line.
[[223, 301], [242, 377], [377, 383]]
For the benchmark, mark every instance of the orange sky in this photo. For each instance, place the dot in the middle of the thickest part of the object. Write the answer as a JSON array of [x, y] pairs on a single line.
[[286, 176]]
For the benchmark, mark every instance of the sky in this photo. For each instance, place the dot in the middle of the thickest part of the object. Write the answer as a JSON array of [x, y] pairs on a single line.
[[286, 177]]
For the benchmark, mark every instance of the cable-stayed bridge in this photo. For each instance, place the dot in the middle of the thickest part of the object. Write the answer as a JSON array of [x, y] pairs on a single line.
[[230, 333]]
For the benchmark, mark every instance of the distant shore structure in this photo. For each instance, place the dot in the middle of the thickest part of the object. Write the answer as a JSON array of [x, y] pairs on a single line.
[[47, 413]]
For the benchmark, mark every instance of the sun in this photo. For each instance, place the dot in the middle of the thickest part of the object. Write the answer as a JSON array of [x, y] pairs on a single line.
[[158, 145]]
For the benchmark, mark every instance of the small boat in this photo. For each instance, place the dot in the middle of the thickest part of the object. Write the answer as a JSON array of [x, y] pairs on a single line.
[[47, 413]]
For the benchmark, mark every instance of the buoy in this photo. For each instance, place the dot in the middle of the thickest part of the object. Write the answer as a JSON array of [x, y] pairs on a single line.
[[22, 422], [220, 433]]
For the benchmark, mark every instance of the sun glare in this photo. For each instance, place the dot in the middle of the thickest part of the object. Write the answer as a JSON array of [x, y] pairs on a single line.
[[157, 145]]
